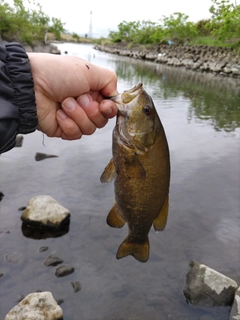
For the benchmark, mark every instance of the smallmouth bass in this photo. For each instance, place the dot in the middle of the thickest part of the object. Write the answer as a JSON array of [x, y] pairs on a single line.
[[141, 168]]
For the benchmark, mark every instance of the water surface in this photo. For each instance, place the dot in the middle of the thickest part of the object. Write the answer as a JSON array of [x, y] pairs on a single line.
[[201, 117]]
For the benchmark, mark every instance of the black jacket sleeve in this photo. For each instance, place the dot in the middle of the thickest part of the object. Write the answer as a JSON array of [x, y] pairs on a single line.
[[17, 98]]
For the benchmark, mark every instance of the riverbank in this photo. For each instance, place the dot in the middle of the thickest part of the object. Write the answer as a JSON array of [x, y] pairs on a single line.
[[217, 60], [42, 47]]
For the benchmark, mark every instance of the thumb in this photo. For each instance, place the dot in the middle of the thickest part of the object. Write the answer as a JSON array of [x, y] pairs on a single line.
[[103, 80]]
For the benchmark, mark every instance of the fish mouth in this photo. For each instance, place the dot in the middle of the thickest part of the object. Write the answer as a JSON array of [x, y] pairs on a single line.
[[127, 96]]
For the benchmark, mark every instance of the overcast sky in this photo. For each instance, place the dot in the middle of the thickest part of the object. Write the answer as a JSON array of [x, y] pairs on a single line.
[[107, 14]]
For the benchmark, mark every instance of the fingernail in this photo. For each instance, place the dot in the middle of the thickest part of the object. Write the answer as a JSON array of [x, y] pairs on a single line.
[[83, 100], [62, 114], [69, 104]]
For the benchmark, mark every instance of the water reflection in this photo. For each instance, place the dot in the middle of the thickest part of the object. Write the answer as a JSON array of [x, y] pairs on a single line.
[[212, 98]]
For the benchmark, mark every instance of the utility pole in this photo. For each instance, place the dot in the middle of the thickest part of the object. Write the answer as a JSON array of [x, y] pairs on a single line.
[[90, 26]]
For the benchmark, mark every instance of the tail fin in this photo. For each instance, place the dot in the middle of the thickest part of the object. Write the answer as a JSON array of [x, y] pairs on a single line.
[[140, 251]]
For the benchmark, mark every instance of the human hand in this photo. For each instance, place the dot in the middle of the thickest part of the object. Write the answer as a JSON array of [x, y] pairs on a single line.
[[70, 95]]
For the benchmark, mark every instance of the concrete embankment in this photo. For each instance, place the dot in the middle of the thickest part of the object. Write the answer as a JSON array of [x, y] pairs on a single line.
[[218, 60]]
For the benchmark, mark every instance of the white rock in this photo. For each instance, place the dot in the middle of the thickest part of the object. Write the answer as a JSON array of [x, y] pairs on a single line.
[[207, 287], [235, 310], [36, 306], [44, 211]]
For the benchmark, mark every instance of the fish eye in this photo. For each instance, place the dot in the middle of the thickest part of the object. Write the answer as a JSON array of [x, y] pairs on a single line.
[[147, 110]]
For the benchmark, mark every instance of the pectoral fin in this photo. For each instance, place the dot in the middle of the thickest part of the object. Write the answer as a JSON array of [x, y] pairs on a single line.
[[114, 219], [109, 173], [160, 222], [140, 251]]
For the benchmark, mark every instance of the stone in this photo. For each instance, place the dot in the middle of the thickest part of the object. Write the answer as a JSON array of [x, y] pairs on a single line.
[[60, 301], [36, 306], [41, 156], [55, 51], [19, 140], [76, 286], [52, 260], [228, 68], [43, 248], [187, 63], [1, 195], [216, 60], [207, 287], [20, 297], [45, 212], [151, 55], [22, 208], [64, 271], [235, 69], [14, 257], [235, 310], [217, 67]]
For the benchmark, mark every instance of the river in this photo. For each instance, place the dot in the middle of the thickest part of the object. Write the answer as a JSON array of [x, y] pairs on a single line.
[[201, 117]]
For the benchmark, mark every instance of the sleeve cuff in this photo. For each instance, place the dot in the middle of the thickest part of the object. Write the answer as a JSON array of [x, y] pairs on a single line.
[[24, 96]]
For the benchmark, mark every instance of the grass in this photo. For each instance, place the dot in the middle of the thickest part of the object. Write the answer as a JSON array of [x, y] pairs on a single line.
[[213, 42]]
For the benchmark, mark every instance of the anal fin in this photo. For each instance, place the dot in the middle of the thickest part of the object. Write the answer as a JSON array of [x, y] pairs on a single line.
[[114, 219], [140, 251], [160, 222]]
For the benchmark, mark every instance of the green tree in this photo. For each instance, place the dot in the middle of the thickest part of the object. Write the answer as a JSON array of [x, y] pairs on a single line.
[[203, 28], [177, 27], [5, 18], [127, 31], [145, 32], [26, 25], [76, 36], [225, 22], [56, 28]]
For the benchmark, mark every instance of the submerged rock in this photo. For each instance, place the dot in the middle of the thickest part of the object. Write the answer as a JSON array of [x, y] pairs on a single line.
[[52, 260], [235, 310], [19, 141], [1, 195], [64, 271], [43, 248], [207, 287], [76, 286], [45, 212], [14, 257], [22, 208], [41, 156], [36, 306]]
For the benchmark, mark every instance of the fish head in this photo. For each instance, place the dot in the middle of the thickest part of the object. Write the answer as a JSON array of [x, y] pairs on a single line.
[[137, 118]]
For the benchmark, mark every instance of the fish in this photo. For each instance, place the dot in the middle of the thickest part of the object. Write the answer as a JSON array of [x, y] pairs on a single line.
[[140, 168]]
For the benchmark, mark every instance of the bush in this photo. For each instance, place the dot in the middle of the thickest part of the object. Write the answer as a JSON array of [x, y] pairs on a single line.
[[25, 25]]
